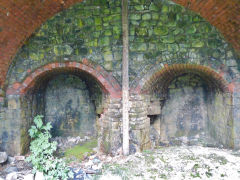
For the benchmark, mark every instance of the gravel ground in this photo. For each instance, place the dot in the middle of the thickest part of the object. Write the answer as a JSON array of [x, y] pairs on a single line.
[[171, 163], [175, 163]]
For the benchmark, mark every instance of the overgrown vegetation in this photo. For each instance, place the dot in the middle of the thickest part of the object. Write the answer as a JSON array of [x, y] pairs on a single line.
[[42, 151]]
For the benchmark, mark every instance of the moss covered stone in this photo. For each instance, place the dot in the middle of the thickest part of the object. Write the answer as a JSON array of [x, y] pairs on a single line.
[[164, 9], [153, 7], [146, 16], [142, 31], [98, 21], [162, 30], [80, 23], [155, 16], [104, 41], [108, 57], [117, 30], [197, 44], [144, 24], [106, 11], [161, 47], [142, 47], [168, 39], [135, 16], [139, 7], [108, 33], [190, 30], [132, 31], [108, 65]]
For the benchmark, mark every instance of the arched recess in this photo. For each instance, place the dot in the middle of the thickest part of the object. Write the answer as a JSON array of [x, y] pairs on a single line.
[[70, 95], [106, 80], [166, 74], [189, 104]]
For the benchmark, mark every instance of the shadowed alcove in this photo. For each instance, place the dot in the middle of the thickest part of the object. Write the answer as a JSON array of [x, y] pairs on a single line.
[[71, 99], [194, 106]]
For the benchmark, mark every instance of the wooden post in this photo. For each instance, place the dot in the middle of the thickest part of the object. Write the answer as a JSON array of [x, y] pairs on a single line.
[[125, 79]]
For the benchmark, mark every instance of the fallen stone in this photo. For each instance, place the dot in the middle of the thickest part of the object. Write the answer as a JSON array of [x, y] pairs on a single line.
[[95, 149], [12, 176], [11, 169], [3, 157], [29, 177], [79, 175], [85, 155], [89, 164], [39, 176], [119, 151], [11, 160], [19, 158], [86, 138], [96, 160], [95, 167], [92, 171], [109, 159], [92, 157]]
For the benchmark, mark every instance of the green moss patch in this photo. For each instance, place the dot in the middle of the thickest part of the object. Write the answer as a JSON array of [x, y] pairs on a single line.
[[79, 151]]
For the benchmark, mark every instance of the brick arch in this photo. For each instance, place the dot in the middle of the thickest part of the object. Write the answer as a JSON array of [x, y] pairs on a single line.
[[20, 19], [106, 80], [160, 78]]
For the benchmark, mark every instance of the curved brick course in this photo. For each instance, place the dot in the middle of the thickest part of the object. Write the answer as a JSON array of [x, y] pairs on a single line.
[[165, 75], [105, 79]]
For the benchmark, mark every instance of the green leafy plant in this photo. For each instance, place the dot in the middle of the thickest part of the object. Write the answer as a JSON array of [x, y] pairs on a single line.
[[42, 151]]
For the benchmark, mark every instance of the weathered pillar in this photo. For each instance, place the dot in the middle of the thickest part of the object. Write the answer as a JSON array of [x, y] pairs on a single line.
[[125, 79]]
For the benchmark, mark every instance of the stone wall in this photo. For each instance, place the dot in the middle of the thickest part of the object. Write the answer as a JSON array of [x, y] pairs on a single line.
[[68, 107], [221, 119], [161, 33], [184, 112], [10, 131]]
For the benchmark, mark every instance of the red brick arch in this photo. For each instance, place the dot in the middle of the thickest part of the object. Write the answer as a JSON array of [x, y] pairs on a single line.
[[105, 79], [20, 19], [161, 78]]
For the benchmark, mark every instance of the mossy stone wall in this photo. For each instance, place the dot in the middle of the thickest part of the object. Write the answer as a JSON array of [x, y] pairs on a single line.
[[160, 32], [91, 29]]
